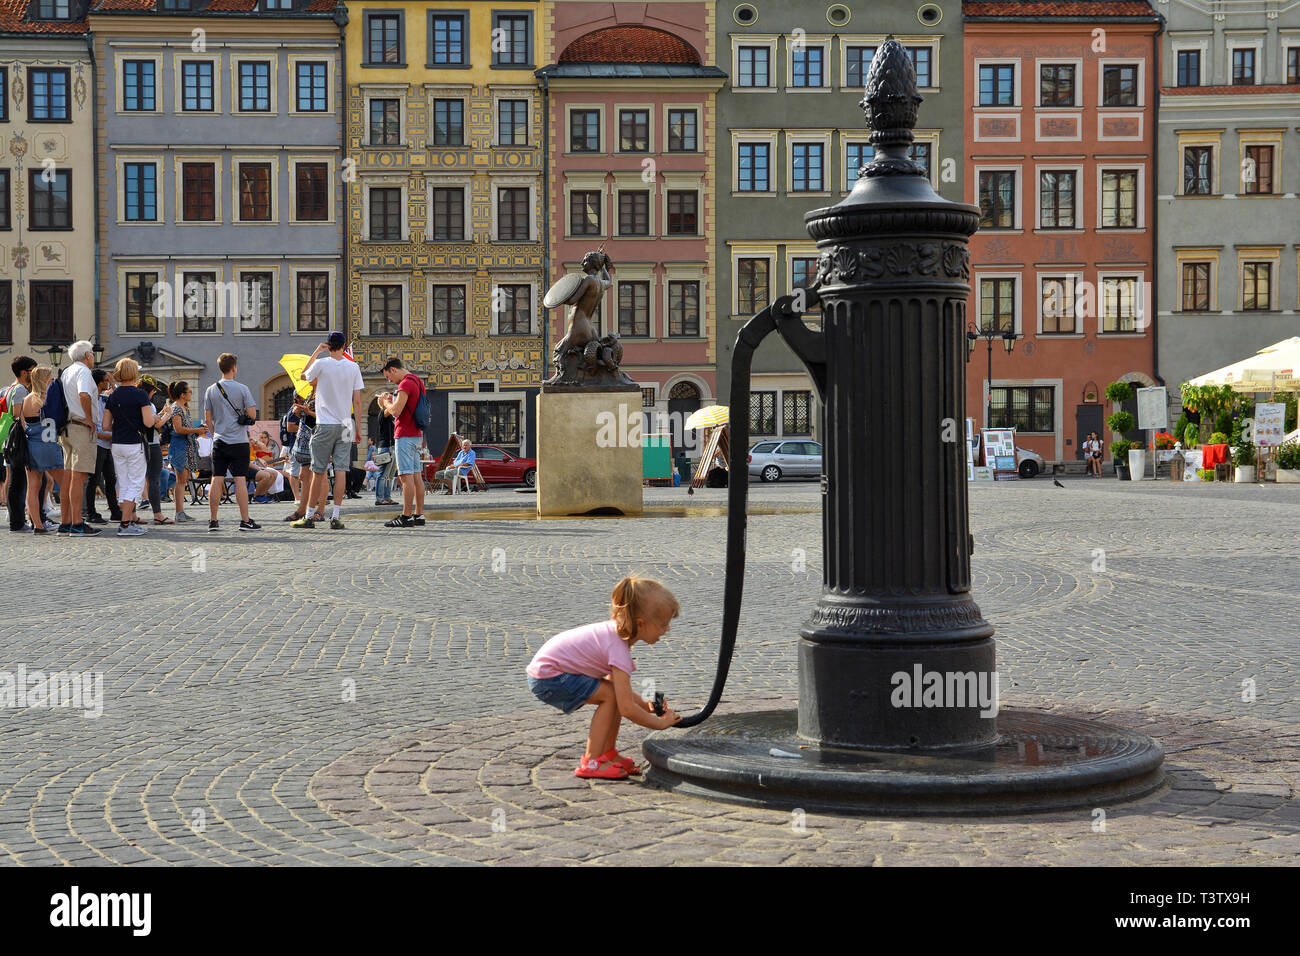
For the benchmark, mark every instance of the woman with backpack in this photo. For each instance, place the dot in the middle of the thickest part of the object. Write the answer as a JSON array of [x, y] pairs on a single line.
[[44, 454], [183, 449]]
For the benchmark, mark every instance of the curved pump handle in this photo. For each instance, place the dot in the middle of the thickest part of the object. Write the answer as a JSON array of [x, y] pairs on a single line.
[[780, 317]]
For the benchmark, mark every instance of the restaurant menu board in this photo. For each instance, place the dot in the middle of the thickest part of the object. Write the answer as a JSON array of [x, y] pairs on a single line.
[[1270, 418], [1152, 408], [1000, 451]]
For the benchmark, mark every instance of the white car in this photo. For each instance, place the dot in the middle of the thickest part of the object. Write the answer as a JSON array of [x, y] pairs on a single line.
[[795, 458], [1028, 463]]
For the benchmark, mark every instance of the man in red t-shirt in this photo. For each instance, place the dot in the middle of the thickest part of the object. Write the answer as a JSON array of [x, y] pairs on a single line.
[[407, 440]]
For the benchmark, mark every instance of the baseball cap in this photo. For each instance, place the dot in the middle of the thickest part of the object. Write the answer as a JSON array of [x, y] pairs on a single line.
[[337, 340]]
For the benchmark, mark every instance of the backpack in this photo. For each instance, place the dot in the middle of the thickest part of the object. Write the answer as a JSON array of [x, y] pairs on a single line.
[[6, 415], [420, 413], [286, 437], [55, 408], [302, 447]]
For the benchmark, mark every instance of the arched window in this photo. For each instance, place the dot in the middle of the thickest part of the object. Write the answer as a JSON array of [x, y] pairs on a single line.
[[685, 390], [282, 402]]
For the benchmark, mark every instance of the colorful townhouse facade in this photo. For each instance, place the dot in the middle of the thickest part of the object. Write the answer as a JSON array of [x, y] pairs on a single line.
[[630, 94], [220, 203], [445, 209], [1228, 212], [1059, 151], [47, 178], [792, 138]]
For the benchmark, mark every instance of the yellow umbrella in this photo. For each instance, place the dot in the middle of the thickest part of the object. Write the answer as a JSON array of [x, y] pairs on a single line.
[[708, 417], [294, 364]]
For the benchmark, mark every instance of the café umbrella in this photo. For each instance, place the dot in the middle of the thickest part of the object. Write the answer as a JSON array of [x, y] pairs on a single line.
[[1270, 369], [709, 417]]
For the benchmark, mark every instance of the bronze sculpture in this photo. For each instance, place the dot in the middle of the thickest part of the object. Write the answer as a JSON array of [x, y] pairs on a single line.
[[583, 357]]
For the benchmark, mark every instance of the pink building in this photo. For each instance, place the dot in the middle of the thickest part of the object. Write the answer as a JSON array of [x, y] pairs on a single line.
[[630, 109]]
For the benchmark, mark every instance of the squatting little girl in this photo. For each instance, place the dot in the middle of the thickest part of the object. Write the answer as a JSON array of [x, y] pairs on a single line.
[[591, 665]]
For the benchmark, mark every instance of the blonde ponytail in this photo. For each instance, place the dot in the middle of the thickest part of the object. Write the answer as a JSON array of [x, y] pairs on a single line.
[[635, 597]]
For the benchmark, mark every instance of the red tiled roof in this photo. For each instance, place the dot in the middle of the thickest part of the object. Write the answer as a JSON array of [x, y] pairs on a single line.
[[1054, 9], [629, 45], [213, 6], [13, 19], [1226, 90]]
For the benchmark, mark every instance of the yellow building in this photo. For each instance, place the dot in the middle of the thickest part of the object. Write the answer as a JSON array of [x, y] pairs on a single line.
[[443, 169], [47, 181]]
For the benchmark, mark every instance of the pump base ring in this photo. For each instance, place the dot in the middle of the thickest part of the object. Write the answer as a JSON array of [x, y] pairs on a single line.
[[1039, 762]]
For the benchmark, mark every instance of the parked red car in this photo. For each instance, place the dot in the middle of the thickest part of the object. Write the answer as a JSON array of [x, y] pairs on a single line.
[[499, 467]]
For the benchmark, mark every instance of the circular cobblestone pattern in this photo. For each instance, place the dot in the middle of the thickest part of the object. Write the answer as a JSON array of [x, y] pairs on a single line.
[[358, 696]]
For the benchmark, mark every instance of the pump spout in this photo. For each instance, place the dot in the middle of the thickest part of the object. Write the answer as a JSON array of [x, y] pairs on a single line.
[[807, 344]]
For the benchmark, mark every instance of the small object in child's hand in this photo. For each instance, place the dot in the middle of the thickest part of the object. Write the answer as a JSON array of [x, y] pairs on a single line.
[[659, 703], [784, 753]]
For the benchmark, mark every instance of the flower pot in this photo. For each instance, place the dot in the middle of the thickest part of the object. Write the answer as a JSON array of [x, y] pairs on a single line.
[[1137, 463], [1245, 474], [1288, 476], [1121, 471]]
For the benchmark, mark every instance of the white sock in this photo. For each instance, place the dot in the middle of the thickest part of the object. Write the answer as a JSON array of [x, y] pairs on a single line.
[[335, 512]]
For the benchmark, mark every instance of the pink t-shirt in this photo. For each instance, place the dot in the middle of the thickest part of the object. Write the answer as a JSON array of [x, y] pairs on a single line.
[[591, 649]]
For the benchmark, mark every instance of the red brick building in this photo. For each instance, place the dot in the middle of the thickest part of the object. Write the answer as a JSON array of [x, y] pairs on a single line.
[[1060, 158], [630, 102]]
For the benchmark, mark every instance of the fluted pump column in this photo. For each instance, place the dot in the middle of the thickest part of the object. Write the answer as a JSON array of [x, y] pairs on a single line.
[[893, 278]]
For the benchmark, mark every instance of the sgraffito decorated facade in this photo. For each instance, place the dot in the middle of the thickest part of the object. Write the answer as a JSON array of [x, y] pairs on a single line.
[[443, 159]]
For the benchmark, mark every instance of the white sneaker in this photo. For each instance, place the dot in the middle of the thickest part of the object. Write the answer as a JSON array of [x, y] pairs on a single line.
[[130, 531]]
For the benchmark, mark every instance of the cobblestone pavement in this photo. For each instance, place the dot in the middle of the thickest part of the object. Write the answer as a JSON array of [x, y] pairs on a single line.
[[358, 696]]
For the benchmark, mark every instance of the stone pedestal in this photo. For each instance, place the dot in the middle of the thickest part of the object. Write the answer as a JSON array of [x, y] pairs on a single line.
[[588, 450]]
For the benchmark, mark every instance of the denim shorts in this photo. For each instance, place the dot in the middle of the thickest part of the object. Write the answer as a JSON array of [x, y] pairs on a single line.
[[408, 455], [566, 692], [177, 454]]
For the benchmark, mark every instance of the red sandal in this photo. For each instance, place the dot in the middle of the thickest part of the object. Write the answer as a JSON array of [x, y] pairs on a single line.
[[600, 770], [616, 758]]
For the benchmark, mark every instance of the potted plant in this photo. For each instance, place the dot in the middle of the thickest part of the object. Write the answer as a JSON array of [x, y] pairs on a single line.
[[1119, 452], [1191, 437], [1137, 460], [1218, 438], [1288, 463], [1205, 474], [1244, 458]]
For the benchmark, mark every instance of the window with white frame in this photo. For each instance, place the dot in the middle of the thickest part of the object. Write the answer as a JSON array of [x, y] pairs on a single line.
[[1057, 297], [997, 304], [1120, 305], [1119, 198]]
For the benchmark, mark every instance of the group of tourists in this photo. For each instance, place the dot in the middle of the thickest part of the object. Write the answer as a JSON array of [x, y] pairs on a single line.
[[74, 432]]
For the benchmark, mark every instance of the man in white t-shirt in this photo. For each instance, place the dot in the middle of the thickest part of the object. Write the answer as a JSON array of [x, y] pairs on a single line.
[[78, 441], [338, 398]]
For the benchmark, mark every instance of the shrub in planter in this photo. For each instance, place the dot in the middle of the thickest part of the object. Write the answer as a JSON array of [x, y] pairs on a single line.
[[1191, 436], [1120, 422], [1205, 474], [1288, 456], [1119, 450], [1218, 438], [1223, 422], [1180, 429], [1245, 455], [1119, 391]]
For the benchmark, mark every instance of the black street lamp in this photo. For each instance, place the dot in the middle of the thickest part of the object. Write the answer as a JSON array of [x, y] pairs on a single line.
[[56, 356], [973, 335], [99, 352]]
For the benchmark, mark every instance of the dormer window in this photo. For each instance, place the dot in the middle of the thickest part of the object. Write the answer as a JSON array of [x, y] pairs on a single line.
[[174, 4], [54, 9], [278, 5]]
